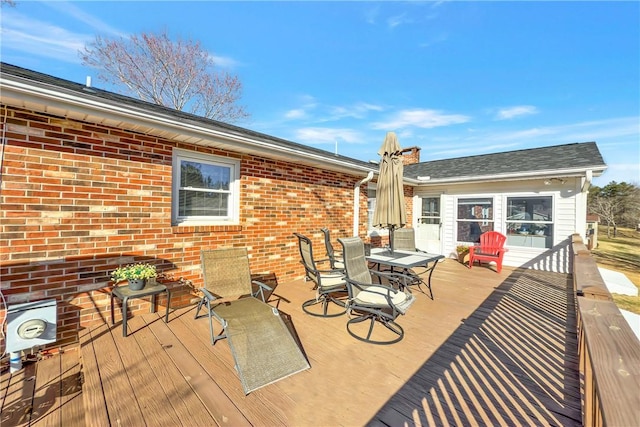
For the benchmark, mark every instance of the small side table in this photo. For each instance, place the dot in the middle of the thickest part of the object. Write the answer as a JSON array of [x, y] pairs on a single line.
[[124, 293]]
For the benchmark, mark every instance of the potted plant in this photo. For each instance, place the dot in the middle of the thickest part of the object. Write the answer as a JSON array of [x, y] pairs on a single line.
[[463, 253], [136, 274]]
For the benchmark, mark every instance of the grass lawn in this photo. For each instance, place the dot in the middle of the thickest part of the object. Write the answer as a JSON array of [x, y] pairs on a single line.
[[621, 254]]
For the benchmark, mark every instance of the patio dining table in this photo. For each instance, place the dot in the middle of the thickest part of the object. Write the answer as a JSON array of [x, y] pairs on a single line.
[[405, 261]]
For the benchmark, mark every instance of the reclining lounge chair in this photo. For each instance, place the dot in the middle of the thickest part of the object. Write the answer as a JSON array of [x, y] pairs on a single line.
[[263, 348]]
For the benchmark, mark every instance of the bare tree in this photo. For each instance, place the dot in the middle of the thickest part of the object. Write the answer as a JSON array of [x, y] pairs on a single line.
[[7, 2], [605, 208], [178, 74], [616, 203]]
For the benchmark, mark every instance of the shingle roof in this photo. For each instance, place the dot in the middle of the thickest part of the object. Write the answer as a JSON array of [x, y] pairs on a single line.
[[583, 155]]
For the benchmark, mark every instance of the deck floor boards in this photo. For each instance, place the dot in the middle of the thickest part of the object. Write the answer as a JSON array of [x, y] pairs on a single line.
[[489, 349], [47, 392], [71, 402], [44, 393]]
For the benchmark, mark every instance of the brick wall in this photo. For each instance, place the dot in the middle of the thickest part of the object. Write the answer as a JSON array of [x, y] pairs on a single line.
[[79, 199]]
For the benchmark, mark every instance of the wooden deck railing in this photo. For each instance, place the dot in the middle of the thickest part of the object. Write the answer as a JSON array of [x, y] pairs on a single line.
[[608, 349]]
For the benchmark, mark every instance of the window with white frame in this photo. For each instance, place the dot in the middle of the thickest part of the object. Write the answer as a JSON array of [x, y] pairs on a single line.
[[205, 189], [474, 217], [529, 221]]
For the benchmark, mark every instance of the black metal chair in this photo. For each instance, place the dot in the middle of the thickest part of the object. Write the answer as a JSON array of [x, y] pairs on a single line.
[[329, 284], [335, 258], [376, 303]]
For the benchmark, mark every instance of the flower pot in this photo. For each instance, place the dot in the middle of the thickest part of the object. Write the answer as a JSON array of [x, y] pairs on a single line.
[[463, 258], [137, 284]]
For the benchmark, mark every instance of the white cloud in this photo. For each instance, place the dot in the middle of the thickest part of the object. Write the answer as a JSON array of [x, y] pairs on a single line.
[[27, 35], [623, 133], [425, 119], [619, 172], [308, 103], [462, 149], [395, 21], [324, 113], [516, 111], [439, 3], [224, 61], [38, 38], [628, 167], [307, 99], [434, 40], [371, 14], [596, 130], [356, 111], [96, 24], [297, 113], [320, 135], [525, 134], [104, 29]]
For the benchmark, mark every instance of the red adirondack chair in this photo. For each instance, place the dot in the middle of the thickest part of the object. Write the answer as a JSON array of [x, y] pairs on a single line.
[[491, 248]]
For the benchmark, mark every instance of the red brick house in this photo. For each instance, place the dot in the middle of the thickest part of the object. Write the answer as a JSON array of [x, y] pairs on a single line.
[[92, 180]]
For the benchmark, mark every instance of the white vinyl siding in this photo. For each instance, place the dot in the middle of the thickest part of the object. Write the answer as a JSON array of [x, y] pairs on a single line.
[[565, 198]]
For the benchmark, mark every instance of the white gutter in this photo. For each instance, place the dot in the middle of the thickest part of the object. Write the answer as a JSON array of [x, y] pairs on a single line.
[[551, 173], [586, 181], [356, 202]]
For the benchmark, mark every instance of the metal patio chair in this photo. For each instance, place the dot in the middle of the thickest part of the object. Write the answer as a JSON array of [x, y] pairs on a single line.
[[335, 258], [404, 239], [330, 285], [376, 303]]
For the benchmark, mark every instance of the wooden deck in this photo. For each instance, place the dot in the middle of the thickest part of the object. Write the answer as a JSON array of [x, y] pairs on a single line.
[[491, 349], [44, 393]]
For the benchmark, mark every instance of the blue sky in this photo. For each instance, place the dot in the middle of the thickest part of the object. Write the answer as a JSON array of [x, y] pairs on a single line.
[[451, 77]]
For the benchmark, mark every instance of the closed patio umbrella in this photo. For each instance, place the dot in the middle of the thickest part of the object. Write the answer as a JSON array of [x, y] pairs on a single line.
[[390, 211]]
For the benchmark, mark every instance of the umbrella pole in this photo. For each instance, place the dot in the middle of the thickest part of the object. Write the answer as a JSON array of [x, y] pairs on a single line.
[[391, 228]]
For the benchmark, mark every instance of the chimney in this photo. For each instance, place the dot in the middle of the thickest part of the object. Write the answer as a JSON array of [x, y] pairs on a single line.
[[411, 155]]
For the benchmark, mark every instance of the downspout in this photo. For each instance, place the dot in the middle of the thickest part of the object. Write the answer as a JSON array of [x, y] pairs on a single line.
[[586, 181], [356, 202], [581, 223]]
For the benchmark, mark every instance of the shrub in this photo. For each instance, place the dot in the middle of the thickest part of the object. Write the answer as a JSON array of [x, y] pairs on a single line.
[[134, 271], [462, 249]]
